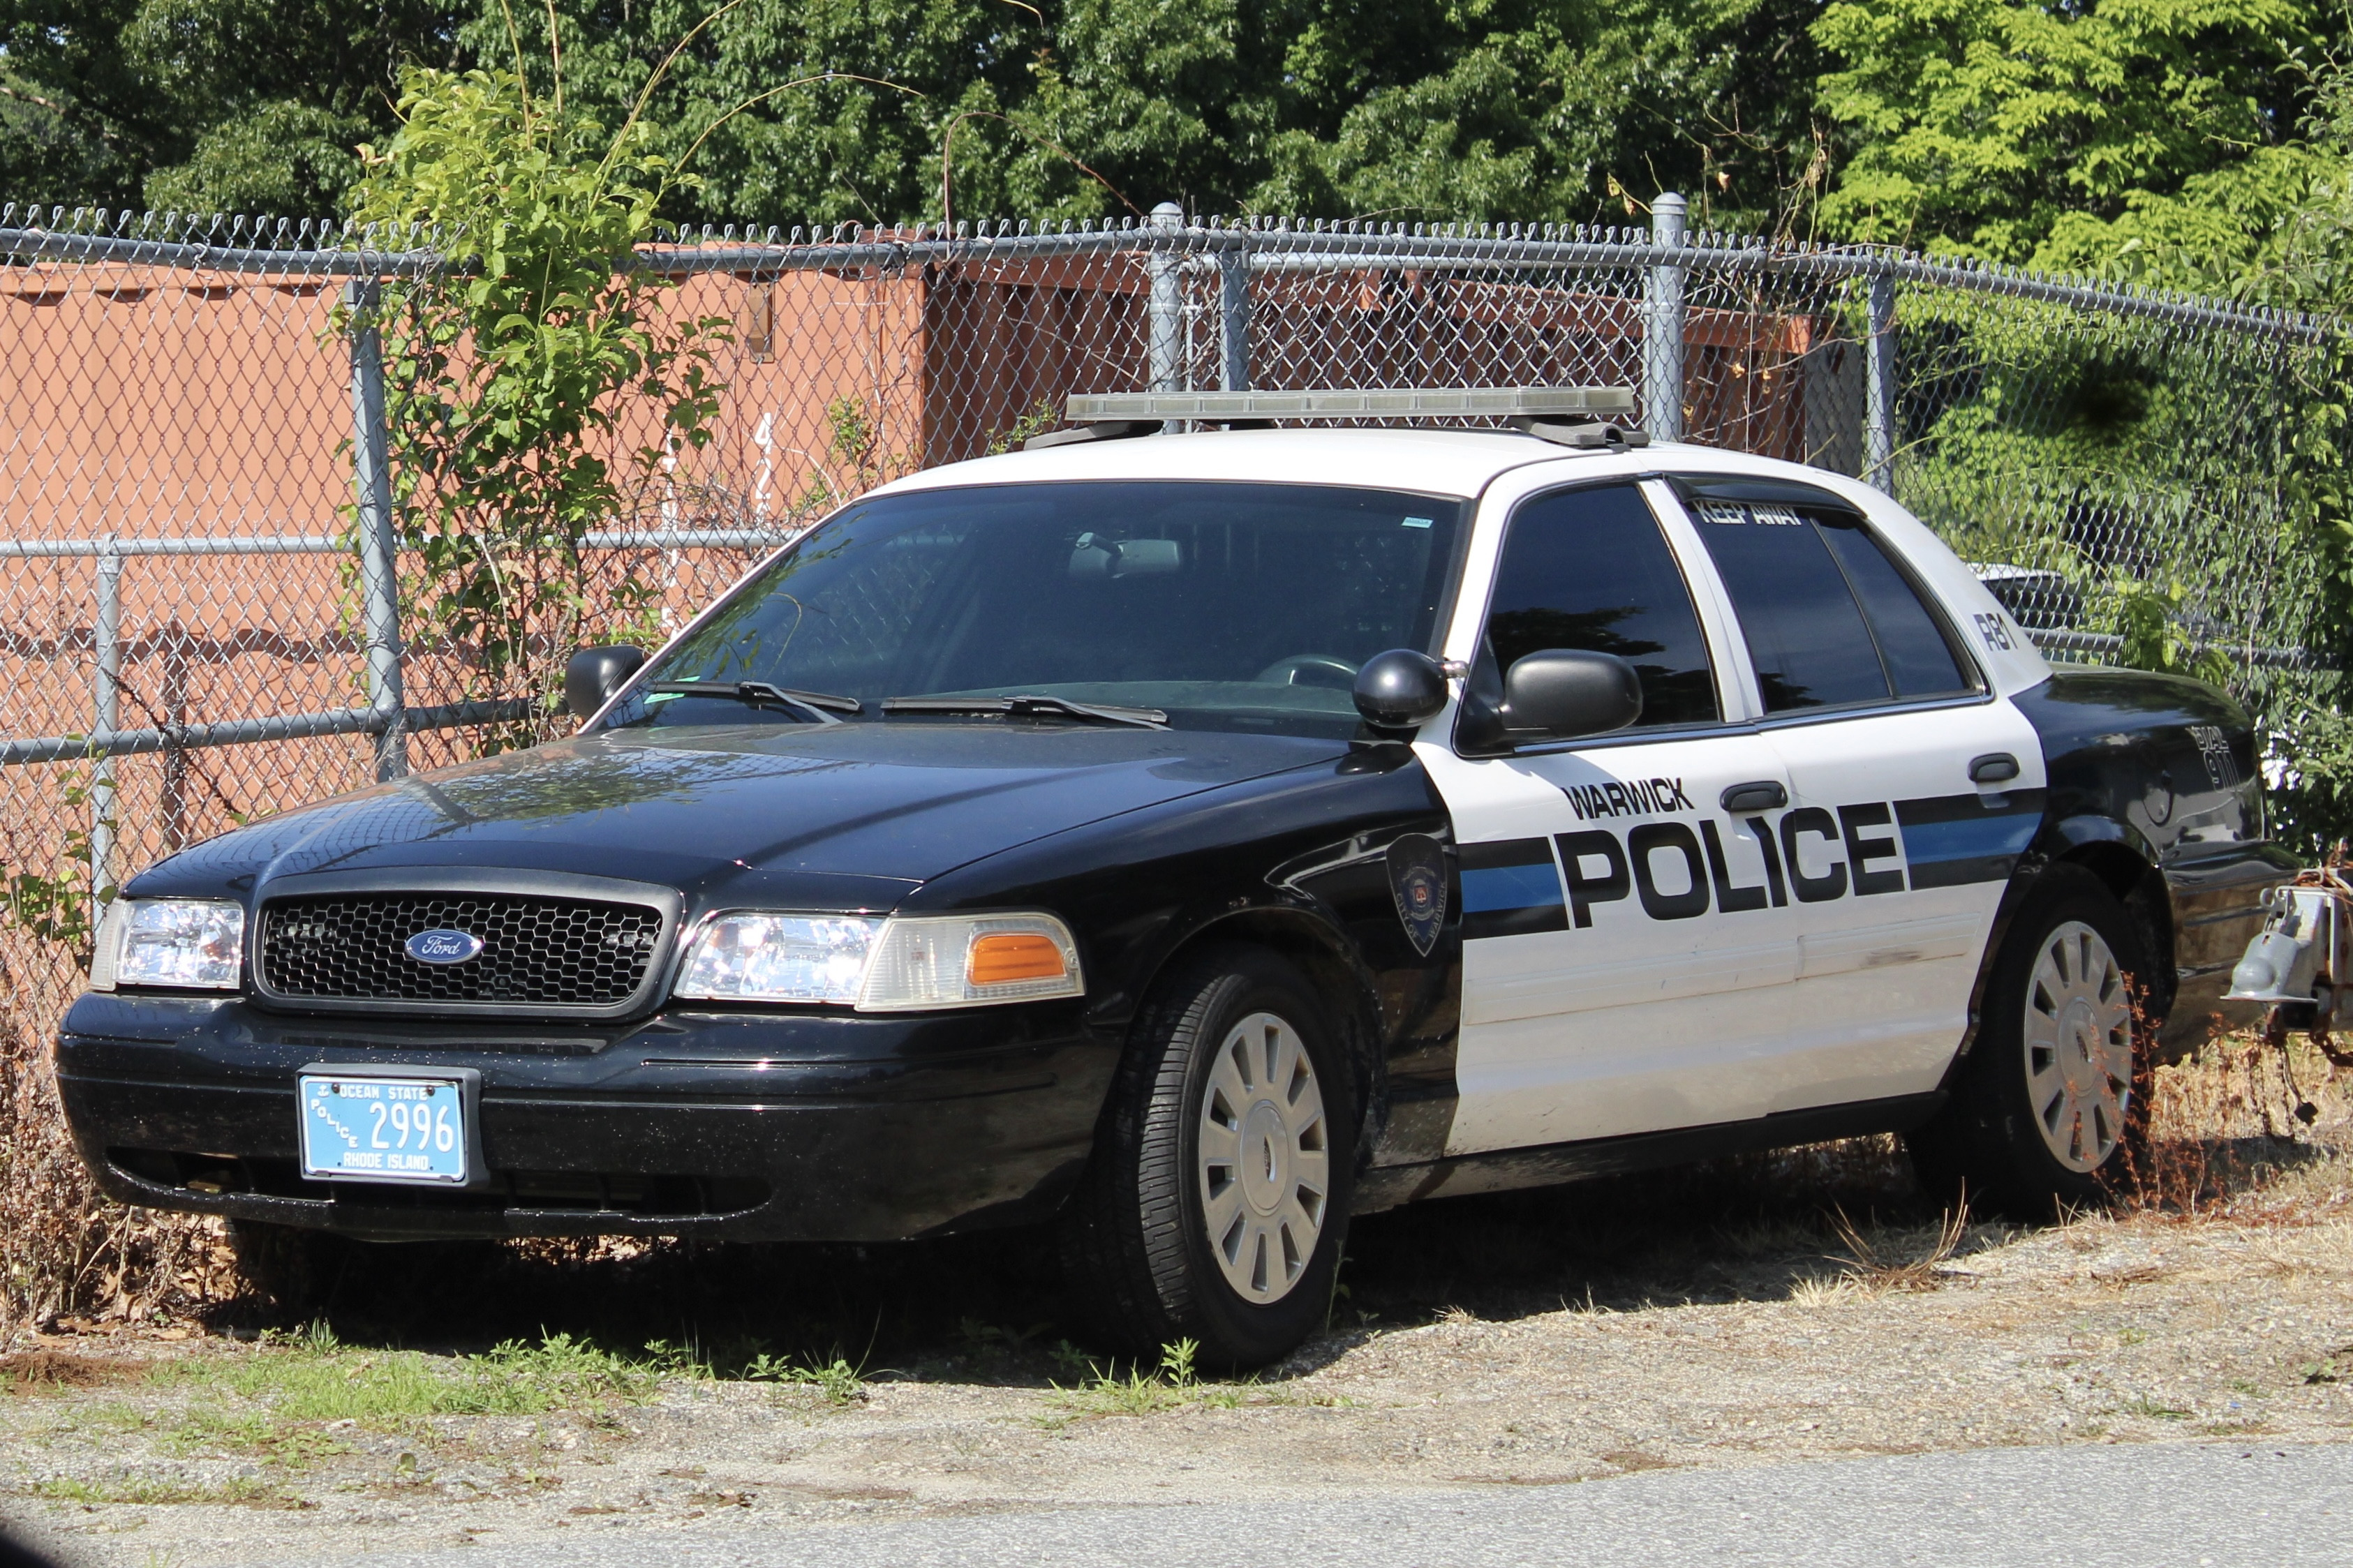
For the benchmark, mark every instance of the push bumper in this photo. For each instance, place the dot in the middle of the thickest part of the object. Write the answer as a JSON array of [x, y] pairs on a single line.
[[741, 1125], [2217, 909]]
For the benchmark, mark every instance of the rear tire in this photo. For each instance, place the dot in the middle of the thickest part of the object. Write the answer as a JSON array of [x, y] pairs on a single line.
[[1216, 1201], [2049, 1109]]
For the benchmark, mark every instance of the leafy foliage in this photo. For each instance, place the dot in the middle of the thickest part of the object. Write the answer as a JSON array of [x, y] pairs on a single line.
[[1521, 109], [2010, 128], [204, 105], [511, 390]]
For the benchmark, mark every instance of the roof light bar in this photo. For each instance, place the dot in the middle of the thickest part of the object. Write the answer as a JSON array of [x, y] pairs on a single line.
[[1564, 403]]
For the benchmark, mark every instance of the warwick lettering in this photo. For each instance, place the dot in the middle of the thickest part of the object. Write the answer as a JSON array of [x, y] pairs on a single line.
[[1634, 797]]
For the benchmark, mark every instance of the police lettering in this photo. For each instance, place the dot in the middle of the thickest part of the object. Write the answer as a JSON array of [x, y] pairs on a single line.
[[1679, 871]]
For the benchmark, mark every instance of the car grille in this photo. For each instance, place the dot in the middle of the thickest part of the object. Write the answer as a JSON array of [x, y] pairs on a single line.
[[536, 951]]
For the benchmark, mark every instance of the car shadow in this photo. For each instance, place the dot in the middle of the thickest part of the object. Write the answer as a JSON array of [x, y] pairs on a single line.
[[990, 1309]]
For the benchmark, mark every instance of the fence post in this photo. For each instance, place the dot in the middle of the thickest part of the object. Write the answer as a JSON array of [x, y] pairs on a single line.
[[1662, 326], [1233, 314], [1165, 266], [371, 482], [1878, 385], [106, 717]]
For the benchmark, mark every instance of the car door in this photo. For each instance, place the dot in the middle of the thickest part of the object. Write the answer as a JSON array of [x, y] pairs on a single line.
[[1896, 856], [1620, 955]]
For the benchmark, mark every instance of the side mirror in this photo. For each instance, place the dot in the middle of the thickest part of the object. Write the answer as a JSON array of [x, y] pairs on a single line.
[[1563, 693], [1399, 689], [594, 674]]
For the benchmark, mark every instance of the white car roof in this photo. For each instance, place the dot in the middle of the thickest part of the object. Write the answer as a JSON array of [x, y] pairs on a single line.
[[1433, 462]]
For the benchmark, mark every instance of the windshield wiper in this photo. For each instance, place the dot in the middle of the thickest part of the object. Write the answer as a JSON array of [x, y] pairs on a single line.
[[1029, 707], [761, 694]]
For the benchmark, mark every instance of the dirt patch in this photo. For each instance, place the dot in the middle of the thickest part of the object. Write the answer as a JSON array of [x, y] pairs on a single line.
[[43, 1370]]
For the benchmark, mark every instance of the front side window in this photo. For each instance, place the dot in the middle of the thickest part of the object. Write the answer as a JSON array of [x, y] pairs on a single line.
[[1222, 606], [1829, 618], [1589, 570]]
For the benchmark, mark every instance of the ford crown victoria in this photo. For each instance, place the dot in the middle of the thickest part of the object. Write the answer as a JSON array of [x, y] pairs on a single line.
[[1190, 842]]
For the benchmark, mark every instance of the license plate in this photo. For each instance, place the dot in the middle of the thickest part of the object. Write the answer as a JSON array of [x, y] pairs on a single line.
[[384, 1129]]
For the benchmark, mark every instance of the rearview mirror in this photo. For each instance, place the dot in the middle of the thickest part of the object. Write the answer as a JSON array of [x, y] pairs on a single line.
[[1561, 694], [1096, 556], [594, 674]]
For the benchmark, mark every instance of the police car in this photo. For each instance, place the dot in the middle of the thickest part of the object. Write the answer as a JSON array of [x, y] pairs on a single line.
[[1191, 841]]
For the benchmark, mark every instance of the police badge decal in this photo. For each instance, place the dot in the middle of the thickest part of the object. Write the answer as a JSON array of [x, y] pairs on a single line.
[[1418, 879]]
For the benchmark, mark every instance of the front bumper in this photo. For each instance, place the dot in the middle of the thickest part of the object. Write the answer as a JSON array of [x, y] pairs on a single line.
[[756, 1126]]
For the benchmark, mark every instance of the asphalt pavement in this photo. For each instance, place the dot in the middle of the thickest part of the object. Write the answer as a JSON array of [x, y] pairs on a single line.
[[2194, 1505]]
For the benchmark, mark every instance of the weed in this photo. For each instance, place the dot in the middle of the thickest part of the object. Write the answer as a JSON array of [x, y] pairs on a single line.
[[2149, 1407], [140, 1492], [1877, 1275], [840, 1382], [990, 1336], [291, 1447], [1171, 1385]]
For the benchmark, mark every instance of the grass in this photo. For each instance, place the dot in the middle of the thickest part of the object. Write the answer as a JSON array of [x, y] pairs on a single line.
[[290, 1445], [839, 1381], [313, 1376], [143, 1492], [1104, 1391]]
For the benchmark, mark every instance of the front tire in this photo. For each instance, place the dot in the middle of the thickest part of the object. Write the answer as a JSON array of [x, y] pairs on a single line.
[[2048, 1109], [1218, 1198]]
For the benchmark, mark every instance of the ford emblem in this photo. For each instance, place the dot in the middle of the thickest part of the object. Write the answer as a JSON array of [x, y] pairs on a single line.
[[443, 946]]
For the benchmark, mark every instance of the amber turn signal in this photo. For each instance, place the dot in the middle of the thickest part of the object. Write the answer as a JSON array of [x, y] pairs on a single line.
[[1000, 957]]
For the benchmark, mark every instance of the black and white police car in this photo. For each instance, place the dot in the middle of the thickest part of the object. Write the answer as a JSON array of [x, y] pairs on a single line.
[[1193, 841]]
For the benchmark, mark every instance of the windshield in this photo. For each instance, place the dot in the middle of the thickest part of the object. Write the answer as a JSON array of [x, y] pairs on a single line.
[[1219, 605]]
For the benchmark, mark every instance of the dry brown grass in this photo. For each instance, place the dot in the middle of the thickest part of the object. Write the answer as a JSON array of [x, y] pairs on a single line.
[[65, 1250], [1871, 1265], [2244, 1129]]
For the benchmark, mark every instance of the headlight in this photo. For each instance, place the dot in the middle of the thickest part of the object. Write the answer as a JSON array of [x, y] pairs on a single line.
[[184, 943], [895, 966]]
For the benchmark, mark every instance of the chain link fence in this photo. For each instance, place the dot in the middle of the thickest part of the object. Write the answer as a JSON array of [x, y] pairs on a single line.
[[210, 613]]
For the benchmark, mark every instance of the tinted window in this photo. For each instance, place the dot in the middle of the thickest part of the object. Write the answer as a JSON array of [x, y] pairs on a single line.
[[1806, 634], [1589, 569], [1912, 645], [1227, 605]]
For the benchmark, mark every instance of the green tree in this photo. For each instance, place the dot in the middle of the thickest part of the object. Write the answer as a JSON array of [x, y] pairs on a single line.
[[2022, 132], [1504, 109], [74, 129], [204, 105]]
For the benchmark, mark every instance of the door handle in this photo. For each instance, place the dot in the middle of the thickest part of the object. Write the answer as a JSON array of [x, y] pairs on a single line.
[[1762, 795], [1994, 767]]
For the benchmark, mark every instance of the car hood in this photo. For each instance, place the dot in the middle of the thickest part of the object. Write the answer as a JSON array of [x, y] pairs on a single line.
[[843, 816]]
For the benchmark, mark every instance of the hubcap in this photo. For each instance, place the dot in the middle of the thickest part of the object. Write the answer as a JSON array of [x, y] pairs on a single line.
[[2078, 1047], [1265, 1163]]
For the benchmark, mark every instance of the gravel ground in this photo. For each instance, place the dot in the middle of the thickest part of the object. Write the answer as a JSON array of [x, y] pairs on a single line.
[[1609, 1330]]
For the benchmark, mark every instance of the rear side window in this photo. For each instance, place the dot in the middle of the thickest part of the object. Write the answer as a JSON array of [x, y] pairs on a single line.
[[1829, 619], [1920, 662], [1590, 570]]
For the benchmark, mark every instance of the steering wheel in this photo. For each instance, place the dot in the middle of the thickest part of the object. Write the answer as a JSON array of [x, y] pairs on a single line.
[[1332, 670]]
